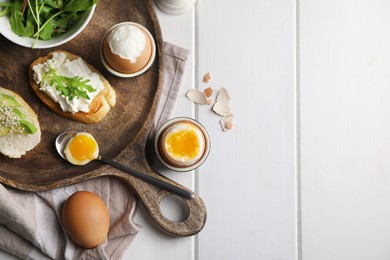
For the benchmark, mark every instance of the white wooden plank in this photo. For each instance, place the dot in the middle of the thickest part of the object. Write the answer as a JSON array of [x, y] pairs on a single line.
[[248, 181], [345, 126]]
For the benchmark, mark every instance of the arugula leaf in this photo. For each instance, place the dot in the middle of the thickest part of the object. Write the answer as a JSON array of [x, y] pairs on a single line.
[[46, 12], [79, 5], [62, 23], [54, 3], [74, 87], [6, 8], [18, 24], [47, 32]]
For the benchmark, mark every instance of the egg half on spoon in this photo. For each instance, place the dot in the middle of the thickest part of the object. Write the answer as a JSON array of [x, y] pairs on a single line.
[[81, 149]]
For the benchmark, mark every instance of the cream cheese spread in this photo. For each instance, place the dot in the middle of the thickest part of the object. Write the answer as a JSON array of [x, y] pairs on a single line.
[[127, 41], [67, 68]]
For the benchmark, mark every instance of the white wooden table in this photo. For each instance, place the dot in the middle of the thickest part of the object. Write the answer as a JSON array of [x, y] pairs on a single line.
[[248, 181], [305, 174]]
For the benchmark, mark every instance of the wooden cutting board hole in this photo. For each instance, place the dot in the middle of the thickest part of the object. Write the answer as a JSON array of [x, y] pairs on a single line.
[[174, 208]]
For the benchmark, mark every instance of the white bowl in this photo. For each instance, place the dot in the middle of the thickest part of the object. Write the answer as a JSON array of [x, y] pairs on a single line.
[[5, 30], [137, 73]]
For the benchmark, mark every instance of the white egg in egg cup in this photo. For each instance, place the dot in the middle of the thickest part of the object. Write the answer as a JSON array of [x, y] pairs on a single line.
[[139, 72]]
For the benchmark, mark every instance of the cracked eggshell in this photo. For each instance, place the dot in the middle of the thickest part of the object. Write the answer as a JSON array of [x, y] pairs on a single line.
[[207, 77], [208, 92], [197, 97], [223, 95], [222, 108]]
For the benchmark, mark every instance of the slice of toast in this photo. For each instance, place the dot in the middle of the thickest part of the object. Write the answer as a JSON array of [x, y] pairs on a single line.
[[98, 108], [14, 145]]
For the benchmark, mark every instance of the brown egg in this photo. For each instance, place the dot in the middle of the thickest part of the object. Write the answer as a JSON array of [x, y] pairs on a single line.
[[125, 66], [86, 219]]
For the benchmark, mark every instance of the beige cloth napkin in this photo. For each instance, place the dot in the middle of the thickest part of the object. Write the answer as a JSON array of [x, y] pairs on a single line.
[[30, 226]]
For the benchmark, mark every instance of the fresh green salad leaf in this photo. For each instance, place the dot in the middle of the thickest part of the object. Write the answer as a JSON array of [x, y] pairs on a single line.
[[6, 9], [20, 24], [69, 87], [78, 5], [44, 19]]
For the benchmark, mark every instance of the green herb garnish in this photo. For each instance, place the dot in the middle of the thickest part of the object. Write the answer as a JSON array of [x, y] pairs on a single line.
[[43, 19], [69, 87]]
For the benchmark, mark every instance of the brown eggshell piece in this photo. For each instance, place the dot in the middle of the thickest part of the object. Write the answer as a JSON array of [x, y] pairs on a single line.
[[223, 95], [207, 77], [222, 108], [86, 219], [124, 65], [227, 123], [208, 92]]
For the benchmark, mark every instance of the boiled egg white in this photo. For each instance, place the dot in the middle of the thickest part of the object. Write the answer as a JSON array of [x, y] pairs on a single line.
[[81, 149]]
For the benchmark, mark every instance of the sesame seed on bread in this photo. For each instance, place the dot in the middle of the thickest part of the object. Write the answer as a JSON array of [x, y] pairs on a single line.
[[15, 144]]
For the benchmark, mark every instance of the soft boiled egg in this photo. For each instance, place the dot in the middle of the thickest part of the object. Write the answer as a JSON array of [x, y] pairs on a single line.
[[86, 219], [81, 149], [183, 144], [127, 48]]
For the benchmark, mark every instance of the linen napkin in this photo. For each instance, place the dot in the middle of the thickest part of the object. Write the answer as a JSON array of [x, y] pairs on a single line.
[[30, 225]]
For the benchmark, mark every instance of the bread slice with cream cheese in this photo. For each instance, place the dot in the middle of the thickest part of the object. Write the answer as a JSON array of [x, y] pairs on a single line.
[[17, 138], [99, 106]]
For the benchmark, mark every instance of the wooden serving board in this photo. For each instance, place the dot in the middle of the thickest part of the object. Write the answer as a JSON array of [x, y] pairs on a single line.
[[122, 135]]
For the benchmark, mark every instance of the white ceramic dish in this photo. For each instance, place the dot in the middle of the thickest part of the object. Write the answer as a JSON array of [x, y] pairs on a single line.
[[5, 30], [130, 75]]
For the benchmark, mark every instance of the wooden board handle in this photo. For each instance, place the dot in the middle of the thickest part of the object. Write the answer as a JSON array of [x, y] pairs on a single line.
[[150, 179], [151, 197]]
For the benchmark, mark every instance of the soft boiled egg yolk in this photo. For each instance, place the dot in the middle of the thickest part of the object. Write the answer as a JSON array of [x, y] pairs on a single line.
[[81, 149], [183, 144], [127, 48]]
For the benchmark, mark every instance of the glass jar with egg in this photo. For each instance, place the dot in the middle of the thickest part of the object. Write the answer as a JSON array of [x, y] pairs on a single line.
[[182, 144]]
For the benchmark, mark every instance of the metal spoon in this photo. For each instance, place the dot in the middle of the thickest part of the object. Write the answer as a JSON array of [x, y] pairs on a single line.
[[64, 138]]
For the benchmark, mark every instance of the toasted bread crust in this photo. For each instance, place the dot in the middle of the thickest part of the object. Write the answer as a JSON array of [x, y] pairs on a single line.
[[99, 106]]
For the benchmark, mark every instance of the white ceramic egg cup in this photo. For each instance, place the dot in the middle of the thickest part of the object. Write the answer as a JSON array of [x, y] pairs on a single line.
[[137, 73]]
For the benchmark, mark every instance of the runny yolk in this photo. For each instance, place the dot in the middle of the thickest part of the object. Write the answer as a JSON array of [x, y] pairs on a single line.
[[183, 143], [83, 147]]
